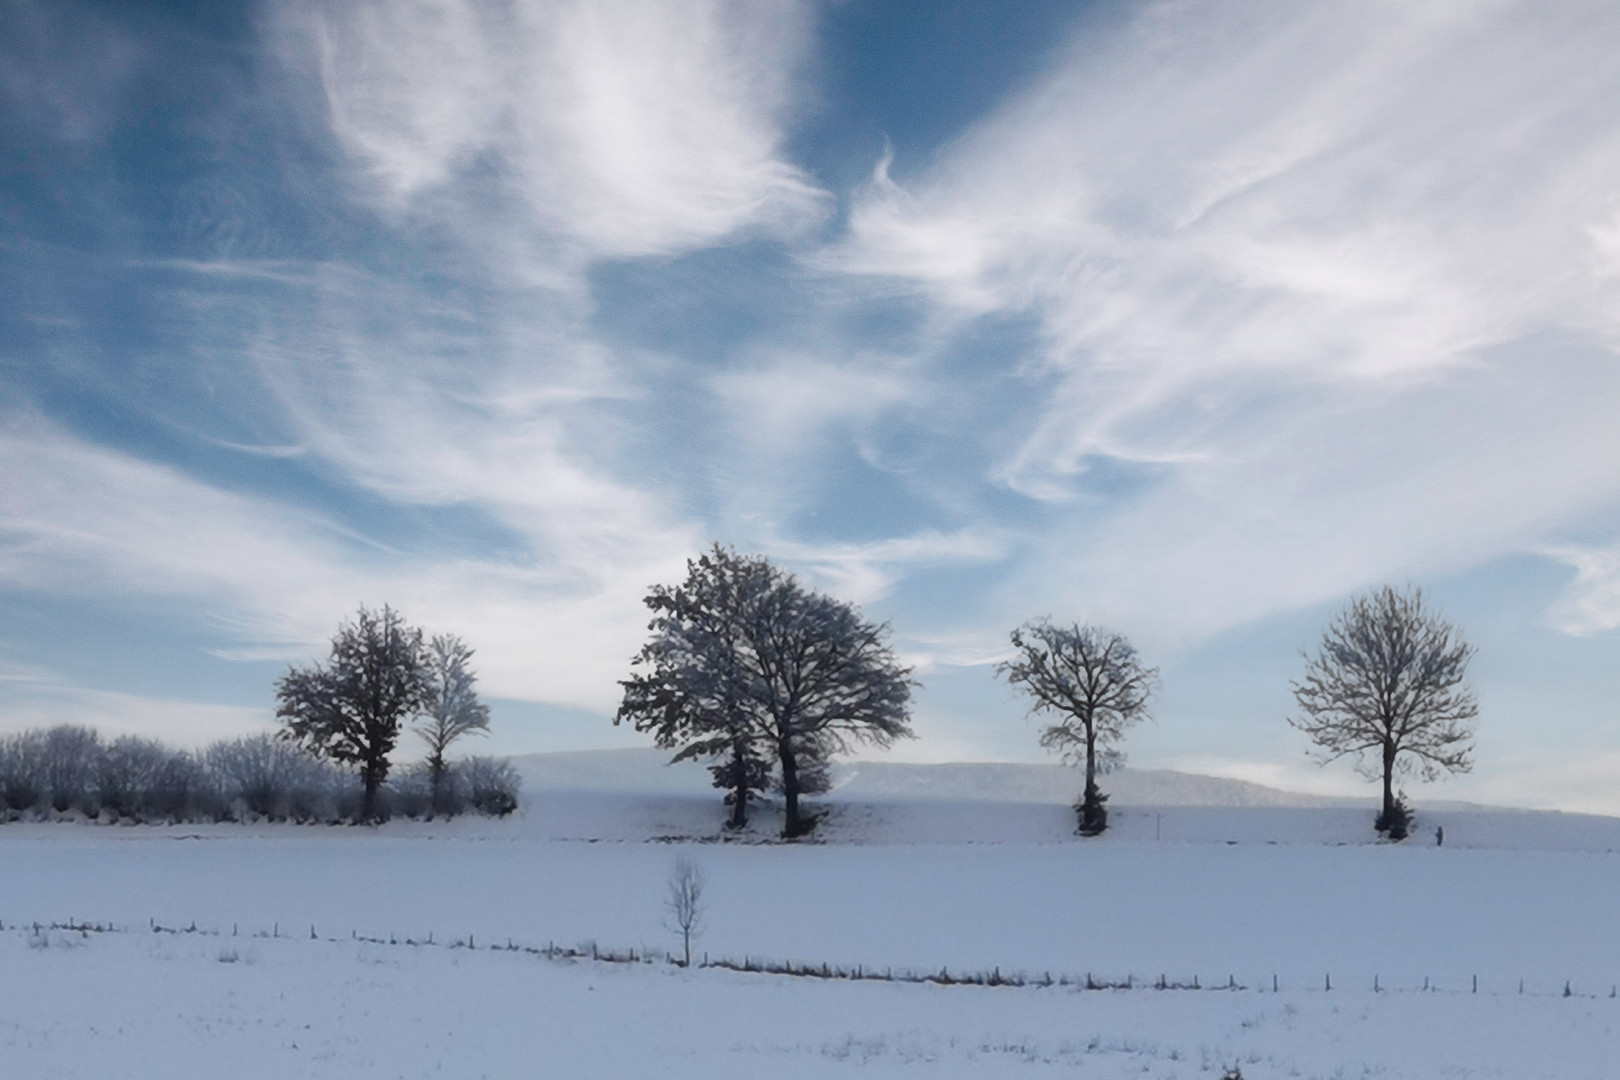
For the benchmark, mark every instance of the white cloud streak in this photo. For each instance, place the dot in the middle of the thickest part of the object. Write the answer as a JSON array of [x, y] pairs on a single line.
[[631, 127], [862, 573], [187, 724], [1340, 278], [1591, 603], [556, 627], [779, 408]]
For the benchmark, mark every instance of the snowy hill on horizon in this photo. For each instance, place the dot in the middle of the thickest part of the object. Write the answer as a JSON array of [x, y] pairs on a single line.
[[635, 795], [647, 771]]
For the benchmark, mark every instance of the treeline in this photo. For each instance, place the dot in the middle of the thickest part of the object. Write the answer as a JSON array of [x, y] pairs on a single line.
[[71, 770], [767, 680]]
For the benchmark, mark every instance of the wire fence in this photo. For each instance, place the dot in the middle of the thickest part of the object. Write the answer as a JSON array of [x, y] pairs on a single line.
[[590, 951]]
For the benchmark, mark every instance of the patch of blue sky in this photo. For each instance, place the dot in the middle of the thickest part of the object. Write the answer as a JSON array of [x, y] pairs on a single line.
[[905, 77], [128, 643], [840, 498], [709, 306]]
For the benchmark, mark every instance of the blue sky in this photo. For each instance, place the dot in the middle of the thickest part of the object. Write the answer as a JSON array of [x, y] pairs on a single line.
[[1188, 318]]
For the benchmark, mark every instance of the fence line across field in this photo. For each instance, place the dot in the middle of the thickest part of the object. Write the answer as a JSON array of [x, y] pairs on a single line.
[[994, 977]]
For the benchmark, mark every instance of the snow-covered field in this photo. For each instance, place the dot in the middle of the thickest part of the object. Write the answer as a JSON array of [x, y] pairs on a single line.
[[1247, 892]]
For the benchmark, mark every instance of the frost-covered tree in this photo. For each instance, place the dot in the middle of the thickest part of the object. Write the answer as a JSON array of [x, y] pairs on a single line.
[[1386, 687], [269, 777], [743, 772], [490, 785], [144, 779], [22, 770], [351, 708], [453, 708], [746, 662], [1097, 686], [71, 755], [693, 693], [813, 763]]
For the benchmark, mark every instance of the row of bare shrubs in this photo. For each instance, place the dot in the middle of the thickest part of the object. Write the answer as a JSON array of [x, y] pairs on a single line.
[[71, 771]]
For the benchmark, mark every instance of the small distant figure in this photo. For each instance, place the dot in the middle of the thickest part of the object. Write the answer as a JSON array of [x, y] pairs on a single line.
[[1439, 836]]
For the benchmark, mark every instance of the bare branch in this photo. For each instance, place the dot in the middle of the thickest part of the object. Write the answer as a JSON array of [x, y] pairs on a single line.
[[1387, 688], [684, 903], [1096, 685]]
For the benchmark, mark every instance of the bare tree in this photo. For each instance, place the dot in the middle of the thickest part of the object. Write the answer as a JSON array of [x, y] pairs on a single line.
[[1097, 685], [350, 710], [453, 708], [821, 679], [683, 904], [1387, 687]]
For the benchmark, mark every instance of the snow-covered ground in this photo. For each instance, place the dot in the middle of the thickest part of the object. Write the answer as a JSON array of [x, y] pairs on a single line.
[[920, 882]]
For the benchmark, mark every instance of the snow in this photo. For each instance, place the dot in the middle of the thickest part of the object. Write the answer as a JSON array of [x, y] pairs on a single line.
[[187, 1005], [1250, 892]]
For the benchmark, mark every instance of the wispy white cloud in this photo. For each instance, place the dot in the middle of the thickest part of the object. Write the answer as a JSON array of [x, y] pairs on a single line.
[[180, 723], [862, 573], [631, 127], [11, 672], [81, 518], [508, 412], [781, 407], [554, 626], [280, 271], [927, 652], [1591, 603], [1333, 281]]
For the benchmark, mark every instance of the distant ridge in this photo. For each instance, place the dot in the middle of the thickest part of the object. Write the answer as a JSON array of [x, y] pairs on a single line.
[[1046, 783], [646, 771]]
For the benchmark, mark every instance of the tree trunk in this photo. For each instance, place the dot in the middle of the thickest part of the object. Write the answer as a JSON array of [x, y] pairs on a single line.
[[1091, 764], [1394, 820], [436, 770], [1093, 817], [1389, 781], [372, 775], [739, 778], [368, 798], [791, 825]]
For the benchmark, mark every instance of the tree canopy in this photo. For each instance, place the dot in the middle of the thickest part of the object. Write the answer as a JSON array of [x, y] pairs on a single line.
[[746, 665], [453, 708], [351, 708]]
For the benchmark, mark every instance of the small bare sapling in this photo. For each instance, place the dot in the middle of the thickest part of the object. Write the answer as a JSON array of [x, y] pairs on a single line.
[[683, 906]]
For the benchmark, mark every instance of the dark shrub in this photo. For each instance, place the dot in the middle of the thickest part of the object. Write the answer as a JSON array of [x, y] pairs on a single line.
[[1396, 822], [491, 784]]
